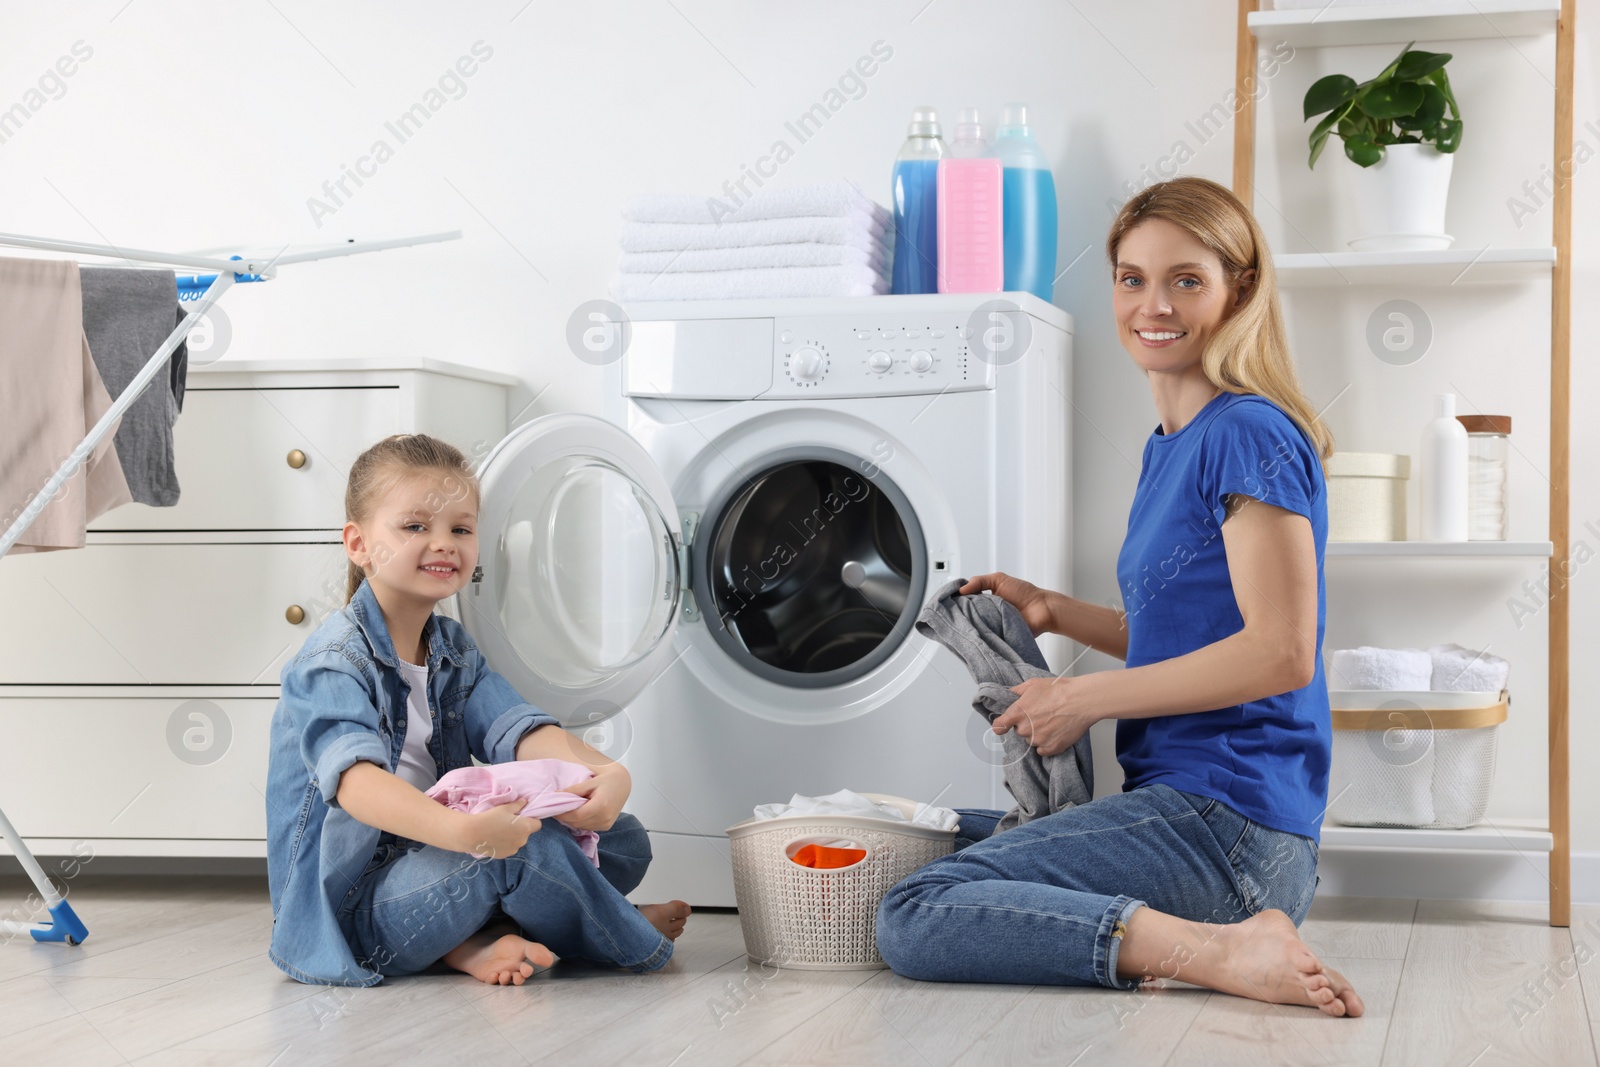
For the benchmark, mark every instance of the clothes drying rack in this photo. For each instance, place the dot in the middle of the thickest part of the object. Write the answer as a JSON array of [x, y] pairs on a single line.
[[64, 925]]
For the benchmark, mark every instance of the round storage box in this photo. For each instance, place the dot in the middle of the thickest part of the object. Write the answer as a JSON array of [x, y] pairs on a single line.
[[824, 919], [1420, 760], [1367, 496]]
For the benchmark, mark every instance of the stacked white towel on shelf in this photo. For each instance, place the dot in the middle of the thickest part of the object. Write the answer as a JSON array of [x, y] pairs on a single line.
[[1462, 670], [1371, 668], [825, 239]]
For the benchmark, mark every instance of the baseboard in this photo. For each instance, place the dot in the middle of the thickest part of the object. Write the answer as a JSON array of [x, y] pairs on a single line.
[[1437, 874], [1450, 874]]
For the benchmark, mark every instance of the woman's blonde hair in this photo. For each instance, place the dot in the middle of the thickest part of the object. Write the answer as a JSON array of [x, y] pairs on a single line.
[[1249, 353], [377, 469]]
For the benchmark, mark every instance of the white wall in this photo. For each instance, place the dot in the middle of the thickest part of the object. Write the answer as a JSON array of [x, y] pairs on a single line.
[[193, 126]]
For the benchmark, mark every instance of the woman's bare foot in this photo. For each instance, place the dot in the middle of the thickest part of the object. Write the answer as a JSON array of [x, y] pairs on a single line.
[[1263, 958], [668, 918], [507, 959]]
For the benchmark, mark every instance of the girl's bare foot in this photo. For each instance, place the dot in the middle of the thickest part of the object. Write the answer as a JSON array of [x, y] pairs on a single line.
[[1263, 958], [499, 960], [668, 918]]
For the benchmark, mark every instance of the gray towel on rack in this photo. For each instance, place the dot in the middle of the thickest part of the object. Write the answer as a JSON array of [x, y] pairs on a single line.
[[127, 314], [999, 651]]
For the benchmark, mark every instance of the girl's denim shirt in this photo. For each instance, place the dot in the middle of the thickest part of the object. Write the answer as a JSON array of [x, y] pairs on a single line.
[[343, 700]]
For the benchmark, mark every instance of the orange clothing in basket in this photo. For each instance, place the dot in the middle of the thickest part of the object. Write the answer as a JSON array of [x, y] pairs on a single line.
[[826, 857]]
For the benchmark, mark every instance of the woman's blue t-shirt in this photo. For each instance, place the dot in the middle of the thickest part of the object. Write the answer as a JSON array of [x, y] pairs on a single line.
[[1268, 758]]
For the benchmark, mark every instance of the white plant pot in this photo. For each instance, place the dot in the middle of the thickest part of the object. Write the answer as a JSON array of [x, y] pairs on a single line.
[[1400, 200]]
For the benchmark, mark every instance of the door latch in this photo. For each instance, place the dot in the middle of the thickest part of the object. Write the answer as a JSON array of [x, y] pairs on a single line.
[[691, 524]]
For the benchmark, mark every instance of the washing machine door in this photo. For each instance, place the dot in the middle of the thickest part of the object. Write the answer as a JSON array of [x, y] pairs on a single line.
[[578, 589]]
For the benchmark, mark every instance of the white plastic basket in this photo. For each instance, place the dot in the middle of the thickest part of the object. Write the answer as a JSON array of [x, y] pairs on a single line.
[[820, 919], [1413, 760]]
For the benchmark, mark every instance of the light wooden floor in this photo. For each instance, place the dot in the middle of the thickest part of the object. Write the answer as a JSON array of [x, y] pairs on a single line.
[[175, 972]]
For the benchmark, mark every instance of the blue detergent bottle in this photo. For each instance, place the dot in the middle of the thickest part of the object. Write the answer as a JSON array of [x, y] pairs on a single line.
[[916, 207], [1029, 207]]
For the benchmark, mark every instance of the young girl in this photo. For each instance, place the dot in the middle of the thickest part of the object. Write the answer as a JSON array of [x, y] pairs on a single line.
[[370, 877]]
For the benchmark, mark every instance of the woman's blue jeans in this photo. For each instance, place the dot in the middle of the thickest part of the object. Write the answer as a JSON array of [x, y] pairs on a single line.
[[1047, 902], [416, 902]]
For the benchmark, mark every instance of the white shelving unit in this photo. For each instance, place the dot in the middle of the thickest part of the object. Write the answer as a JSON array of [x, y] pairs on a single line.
[[1397, 24], [1329, 24], [1491, 835], [1442, 549], [1450, 266]]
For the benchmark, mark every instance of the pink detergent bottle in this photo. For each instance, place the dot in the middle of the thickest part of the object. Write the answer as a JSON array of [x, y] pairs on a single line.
[[971, 190]]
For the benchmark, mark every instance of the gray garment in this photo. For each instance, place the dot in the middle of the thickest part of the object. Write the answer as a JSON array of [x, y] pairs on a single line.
[[126, 316], [999, 651]]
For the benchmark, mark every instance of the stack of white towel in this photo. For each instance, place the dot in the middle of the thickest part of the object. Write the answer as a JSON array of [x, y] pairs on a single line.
[[813, 240], [1441, 669], [1406, 777]]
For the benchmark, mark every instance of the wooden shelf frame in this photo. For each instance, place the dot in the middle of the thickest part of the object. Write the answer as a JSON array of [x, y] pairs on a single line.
[[1378, 24]]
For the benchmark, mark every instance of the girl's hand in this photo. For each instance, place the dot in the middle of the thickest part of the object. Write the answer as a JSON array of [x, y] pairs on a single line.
[[496, 833], [1027, 598], [607, 792], [1050, 713]]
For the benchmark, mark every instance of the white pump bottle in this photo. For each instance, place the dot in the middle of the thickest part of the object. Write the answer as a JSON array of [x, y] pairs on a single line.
[[1444, 474]]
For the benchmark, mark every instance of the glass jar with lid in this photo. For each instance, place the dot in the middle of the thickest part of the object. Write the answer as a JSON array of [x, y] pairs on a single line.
[[1488, 448]]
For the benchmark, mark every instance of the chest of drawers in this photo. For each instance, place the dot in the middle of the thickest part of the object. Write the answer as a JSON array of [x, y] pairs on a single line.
[[138, 675]]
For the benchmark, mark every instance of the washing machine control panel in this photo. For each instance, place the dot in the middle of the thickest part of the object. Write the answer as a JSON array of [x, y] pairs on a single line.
[[876, 354]]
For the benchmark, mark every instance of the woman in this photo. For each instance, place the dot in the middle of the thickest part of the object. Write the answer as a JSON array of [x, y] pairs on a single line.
[[1203, 867]]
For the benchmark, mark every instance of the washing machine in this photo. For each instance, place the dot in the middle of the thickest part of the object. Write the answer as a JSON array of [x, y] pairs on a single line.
[[716, 583]]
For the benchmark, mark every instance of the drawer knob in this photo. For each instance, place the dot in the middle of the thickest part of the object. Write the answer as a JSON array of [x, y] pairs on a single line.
[[296, 614], [297, 459]]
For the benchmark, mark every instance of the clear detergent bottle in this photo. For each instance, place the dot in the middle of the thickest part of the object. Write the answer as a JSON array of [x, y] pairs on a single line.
[[1030, 206], [916, 208]]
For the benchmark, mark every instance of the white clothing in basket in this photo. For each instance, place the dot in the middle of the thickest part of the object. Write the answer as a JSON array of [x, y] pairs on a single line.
[[848, 802]]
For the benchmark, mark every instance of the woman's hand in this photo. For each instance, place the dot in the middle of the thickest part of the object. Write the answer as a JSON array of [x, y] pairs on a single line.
[[607, 792], [1027, 598], [496, 833], [1051, 713]]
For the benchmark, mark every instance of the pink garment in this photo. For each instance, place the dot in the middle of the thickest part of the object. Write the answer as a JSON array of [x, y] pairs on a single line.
[[540, 782]]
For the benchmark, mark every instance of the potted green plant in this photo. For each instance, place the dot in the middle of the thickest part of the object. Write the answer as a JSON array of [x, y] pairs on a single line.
[[1402, 129]]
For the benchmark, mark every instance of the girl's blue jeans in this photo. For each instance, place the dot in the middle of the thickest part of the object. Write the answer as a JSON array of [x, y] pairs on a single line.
[[416, 902], [1047, 902]]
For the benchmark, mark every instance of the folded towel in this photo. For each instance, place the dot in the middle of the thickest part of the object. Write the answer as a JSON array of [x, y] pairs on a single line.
[[747, 284], [1462, 670], [801, 254], [859, 230], [1382, 778], [1380, 668], [540, 783], [818, 199]]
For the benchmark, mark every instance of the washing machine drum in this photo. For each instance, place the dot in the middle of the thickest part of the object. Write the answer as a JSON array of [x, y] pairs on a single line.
[[810, 573]]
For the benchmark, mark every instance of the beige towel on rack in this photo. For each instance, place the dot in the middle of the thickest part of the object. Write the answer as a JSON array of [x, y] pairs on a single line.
[[50, 396]]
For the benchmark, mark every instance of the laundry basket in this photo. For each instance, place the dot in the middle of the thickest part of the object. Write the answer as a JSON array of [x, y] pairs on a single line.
[[1414, 760], [821, 919]]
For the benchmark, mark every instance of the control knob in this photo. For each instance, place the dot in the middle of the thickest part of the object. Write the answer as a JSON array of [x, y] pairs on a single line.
[[880, 361], [806, 364]]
